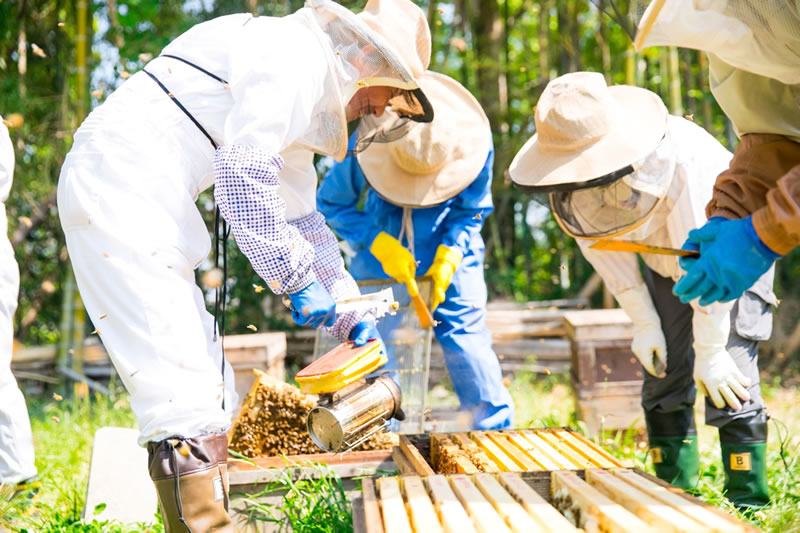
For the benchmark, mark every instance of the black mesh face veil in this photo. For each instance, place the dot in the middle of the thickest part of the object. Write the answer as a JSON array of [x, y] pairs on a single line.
[[362, 59], [404, 111], [602, 211], [614, 203]]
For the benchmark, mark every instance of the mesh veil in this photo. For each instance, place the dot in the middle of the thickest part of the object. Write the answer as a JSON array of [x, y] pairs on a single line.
[[620, 203], [758, 36], [362, 58]]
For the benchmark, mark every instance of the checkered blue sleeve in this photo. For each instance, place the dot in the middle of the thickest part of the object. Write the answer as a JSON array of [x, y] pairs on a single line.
[[246, 191], [329, 268]]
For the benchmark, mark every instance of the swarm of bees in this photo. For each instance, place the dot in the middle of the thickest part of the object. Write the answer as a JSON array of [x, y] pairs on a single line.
[[273, 422]]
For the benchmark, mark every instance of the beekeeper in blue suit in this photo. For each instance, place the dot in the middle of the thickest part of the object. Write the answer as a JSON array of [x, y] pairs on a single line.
[[428, 195]]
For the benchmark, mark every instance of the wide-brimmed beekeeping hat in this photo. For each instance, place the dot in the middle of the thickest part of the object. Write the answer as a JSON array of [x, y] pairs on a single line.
[[433, 162]]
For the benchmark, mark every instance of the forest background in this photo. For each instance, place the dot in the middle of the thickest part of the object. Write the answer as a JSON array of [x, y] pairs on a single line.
[[60, 58]]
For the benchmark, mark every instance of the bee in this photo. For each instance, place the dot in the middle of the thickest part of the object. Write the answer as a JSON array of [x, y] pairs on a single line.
[[57, 397], [252, 327], [37, 50]]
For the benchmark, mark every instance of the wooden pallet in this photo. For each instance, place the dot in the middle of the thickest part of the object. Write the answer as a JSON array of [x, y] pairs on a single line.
[[609, 501], [527, 450]]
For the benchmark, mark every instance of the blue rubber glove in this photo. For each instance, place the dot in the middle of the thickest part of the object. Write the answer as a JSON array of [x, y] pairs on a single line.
[[313, 306], [687, 262], [364, 332], [732, 258]]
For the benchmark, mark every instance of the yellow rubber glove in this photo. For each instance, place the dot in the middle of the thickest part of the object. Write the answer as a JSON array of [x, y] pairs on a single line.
[[395, 258], [444, 265]]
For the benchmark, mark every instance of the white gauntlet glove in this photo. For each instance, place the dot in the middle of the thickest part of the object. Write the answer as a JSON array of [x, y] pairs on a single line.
[[715, 373], [649, 344]]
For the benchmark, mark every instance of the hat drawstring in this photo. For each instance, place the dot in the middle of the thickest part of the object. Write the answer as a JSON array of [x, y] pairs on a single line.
[[407, 229]]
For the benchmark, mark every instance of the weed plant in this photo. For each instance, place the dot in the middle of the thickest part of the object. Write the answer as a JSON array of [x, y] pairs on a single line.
[[316, 505]]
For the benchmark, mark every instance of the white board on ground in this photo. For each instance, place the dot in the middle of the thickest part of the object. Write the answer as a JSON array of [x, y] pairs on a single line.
[[118, 478]]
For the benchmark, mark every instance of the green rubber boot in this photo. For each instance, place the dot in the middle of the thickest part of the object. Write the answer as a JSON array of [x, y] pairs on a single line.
[[744, 456], [673, 447]]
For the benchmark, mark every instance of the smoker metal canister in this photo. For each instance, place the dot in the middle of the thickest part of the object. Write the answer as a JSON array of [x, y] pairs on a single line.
[[347, 419]]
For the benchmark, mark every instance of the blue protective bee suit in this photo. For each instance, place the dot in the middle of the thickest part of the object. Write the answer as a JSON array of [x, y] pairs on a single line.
[[461, 329]]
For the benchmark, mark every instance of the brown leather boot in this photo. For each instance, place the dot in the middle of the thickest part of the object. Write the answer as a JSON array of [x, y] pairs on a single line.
[[191, 479]]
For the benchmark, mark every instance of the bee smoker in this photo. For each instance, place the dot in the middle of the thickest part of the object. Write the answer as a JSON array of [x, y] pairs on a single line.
[[351, 407], [346, 418]]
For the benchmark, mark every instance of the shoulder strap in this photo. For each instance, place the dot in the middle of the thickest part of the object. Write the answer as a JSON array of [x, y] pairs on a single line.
[[198, 67]]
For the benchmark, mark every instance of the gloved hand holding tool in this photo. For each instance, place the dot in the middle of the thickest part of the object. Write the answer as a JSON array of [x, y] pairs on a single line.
[[715, 372], [313, 306], [732, 258], [444, 265], [364, 332], [398, 263], [649, 344]]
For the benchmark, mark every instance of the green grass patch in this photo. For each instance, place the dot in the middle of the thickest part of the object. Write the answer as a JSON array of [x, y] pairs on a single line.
[[63, 431], [317, 505]]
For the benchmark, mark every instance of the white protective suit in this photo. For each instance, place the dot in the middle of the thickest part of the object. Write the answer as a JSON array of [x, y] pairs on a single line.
[[16, 441], [127, 197]]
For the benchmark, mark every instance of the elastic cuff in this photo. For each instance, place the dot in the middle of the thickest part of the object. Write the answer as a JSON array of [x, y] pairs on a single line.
[[769, 247], [722, 212], [300, 284]]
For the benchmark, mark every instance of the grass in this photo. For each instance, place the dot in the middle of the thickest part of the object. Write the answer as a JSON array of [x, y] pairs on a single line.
[[317, 505], [63, 433]]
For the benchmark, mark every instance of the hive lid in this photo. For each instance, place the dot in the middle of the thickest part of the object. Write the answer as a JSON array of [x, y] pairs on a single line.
[[340, 367]]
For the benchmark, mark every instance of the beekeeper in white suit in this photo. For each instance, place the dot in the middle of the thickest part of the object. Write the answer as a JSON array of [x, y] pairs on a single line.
[[228, 103], [16, 441], [617, 166]]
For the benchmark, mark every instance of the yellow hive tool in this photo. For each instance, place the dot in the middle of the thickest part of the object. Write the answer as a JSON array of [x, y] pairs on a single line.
[[636, 247]]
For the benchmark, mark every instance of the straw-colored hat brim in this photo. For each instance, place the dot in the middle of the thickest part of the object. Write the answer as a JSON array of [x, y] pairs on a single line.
[[467, 147], [639, 122]]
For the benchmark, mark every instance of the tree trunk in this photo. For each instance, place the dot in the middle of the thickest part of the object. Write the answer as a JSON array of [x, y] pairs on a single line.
[[602, 42], [689, 81], [487, 30], [675, 101], [544, 40], [708, 122]]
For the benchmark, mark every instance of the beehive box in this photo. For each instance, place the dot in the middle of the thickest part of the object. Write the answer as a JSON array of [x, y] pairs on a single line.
[[525, 450], [609, 501], [606, 376]]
